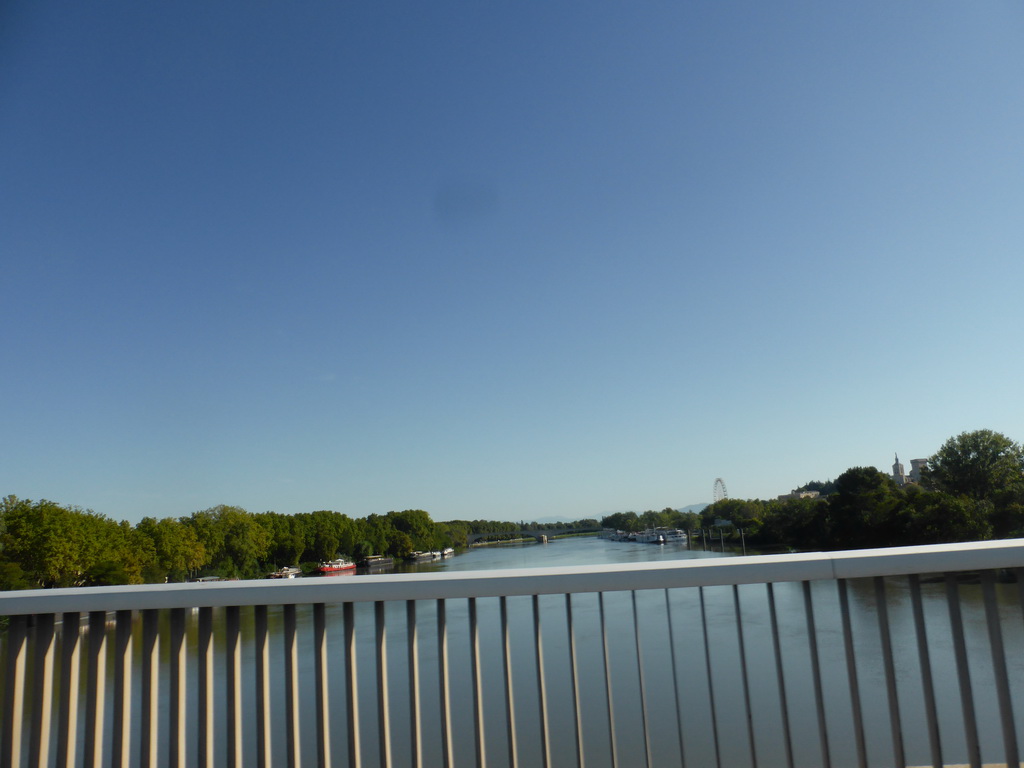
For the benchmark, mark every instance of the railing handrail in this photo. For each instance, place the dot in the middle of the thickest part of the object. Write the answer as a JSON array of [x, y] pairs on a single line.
[[699, 572]]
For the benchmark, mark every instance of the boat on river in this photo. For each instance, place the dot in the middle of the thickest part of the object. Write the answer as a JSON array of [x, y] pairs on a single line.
[[376, 562], [622, 536], [288, 572], [336, 566], [660, 536]]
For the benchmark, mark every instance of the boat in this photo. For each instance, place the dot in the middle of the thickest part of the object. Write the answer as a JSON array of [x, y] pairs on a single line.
[[416, 555], [335, 566], [650, 536], [674, 536], [288, 572], [448, 552], [661, 536], [376, 561]]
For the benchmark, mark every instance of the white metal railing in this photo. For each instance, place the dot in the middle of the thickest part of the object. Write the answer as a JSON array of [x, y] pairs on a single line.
[[844, 658]]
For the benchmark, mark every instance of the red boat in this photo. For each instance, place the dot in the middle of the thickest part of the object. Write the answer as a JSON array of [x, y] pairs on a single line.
[[336, 566]]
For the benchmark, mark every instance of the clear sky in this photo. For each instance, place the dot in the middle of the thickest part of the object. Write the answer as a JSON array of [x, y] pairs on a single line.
[[501, 260]]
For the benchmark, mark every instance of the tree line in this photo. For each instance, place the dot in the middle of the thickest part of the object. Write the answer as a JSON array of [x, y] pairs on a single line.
[[44, 544], [972, 489]]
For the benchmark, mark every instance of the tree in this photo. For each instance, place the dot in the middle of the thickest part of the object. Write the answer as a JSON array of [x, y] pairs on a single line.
[[177, 551], [621, 521], [938, 518], [976, 464], [418, 526], [866, 510], [234, 540]]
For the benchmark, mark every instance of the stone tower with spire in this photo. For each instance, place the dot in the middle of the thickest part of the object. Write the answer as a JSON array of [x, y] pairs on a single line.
[[897, 473]]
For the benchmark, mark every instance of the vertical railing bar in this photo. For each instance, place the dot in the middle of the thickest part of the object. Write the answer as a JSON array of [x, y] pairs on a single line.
[[819, 697], [711, 684], [323, 712], [612, 750], [892, 694], [204, 652], [351, 686], [291, 687], [96, 689], [1019, 575], [233, 680], [962, 670], [924, 659], [574, 673], [67, 718], [851, 674], [510, 709], [443, 683], [999, 667], [415, 726], [675, 680], [383, 721], [149, 729], [641, 682], [478, 694], [177, 729], [264, 755], [14, 691], [542, 698], [787, 734], [42, 690], [121, 745], [743, 673]]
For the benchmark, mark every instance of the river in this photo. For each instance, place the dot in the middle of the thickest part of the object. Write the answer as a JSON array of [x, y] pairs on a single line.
[[678, 611], [700, 743]]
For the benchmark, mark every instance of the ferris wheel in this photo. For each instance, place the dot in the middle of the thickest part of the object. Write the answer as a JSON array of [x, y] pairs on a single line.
[[720, 491]]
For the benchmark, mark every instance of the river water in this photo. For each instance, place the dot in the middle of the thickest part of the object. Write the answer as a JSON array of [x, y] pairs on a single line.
[[726, 719], [712, 708]]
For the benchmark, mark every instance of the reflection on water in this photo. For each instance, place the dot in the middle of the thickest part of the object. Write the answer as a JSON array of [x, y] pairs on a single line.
[[706, 731]]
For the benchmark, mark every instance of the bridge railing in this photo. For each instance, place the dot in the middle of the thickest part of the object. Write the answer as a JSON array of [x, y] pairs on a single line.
[[907, 656]]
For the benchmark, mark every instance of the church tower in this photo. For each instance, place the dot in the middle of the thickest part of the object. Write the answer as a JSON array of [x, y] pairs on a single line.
[[897, 473]]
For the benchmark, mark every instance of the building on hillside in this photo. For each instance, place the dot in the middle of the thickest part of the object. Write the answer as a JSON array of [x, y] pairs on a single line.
[[897, 472], [901, 479], [799, 495]]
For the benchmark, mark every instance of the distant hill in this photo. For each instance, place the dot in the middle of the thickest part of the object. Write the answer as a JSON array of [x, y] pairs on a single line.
[[698, 508]]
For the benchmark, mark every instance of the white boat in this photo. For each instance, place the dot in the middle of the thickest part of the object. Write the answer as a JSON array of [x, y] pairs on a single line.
[[288, 572], [661, 536], [650, 536]]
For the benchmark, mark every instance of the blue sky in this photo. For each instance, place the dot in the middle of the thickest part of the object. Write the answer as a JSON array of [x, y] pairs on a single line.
[[501, 260]]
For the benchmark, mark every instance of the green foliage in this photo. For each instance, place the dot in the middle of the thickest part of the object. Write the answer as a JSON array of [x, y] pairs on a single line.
[[177, 551], [972, 489], [976, 464], [622, 521], [417, 526], [823, 488], [47, 545]]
